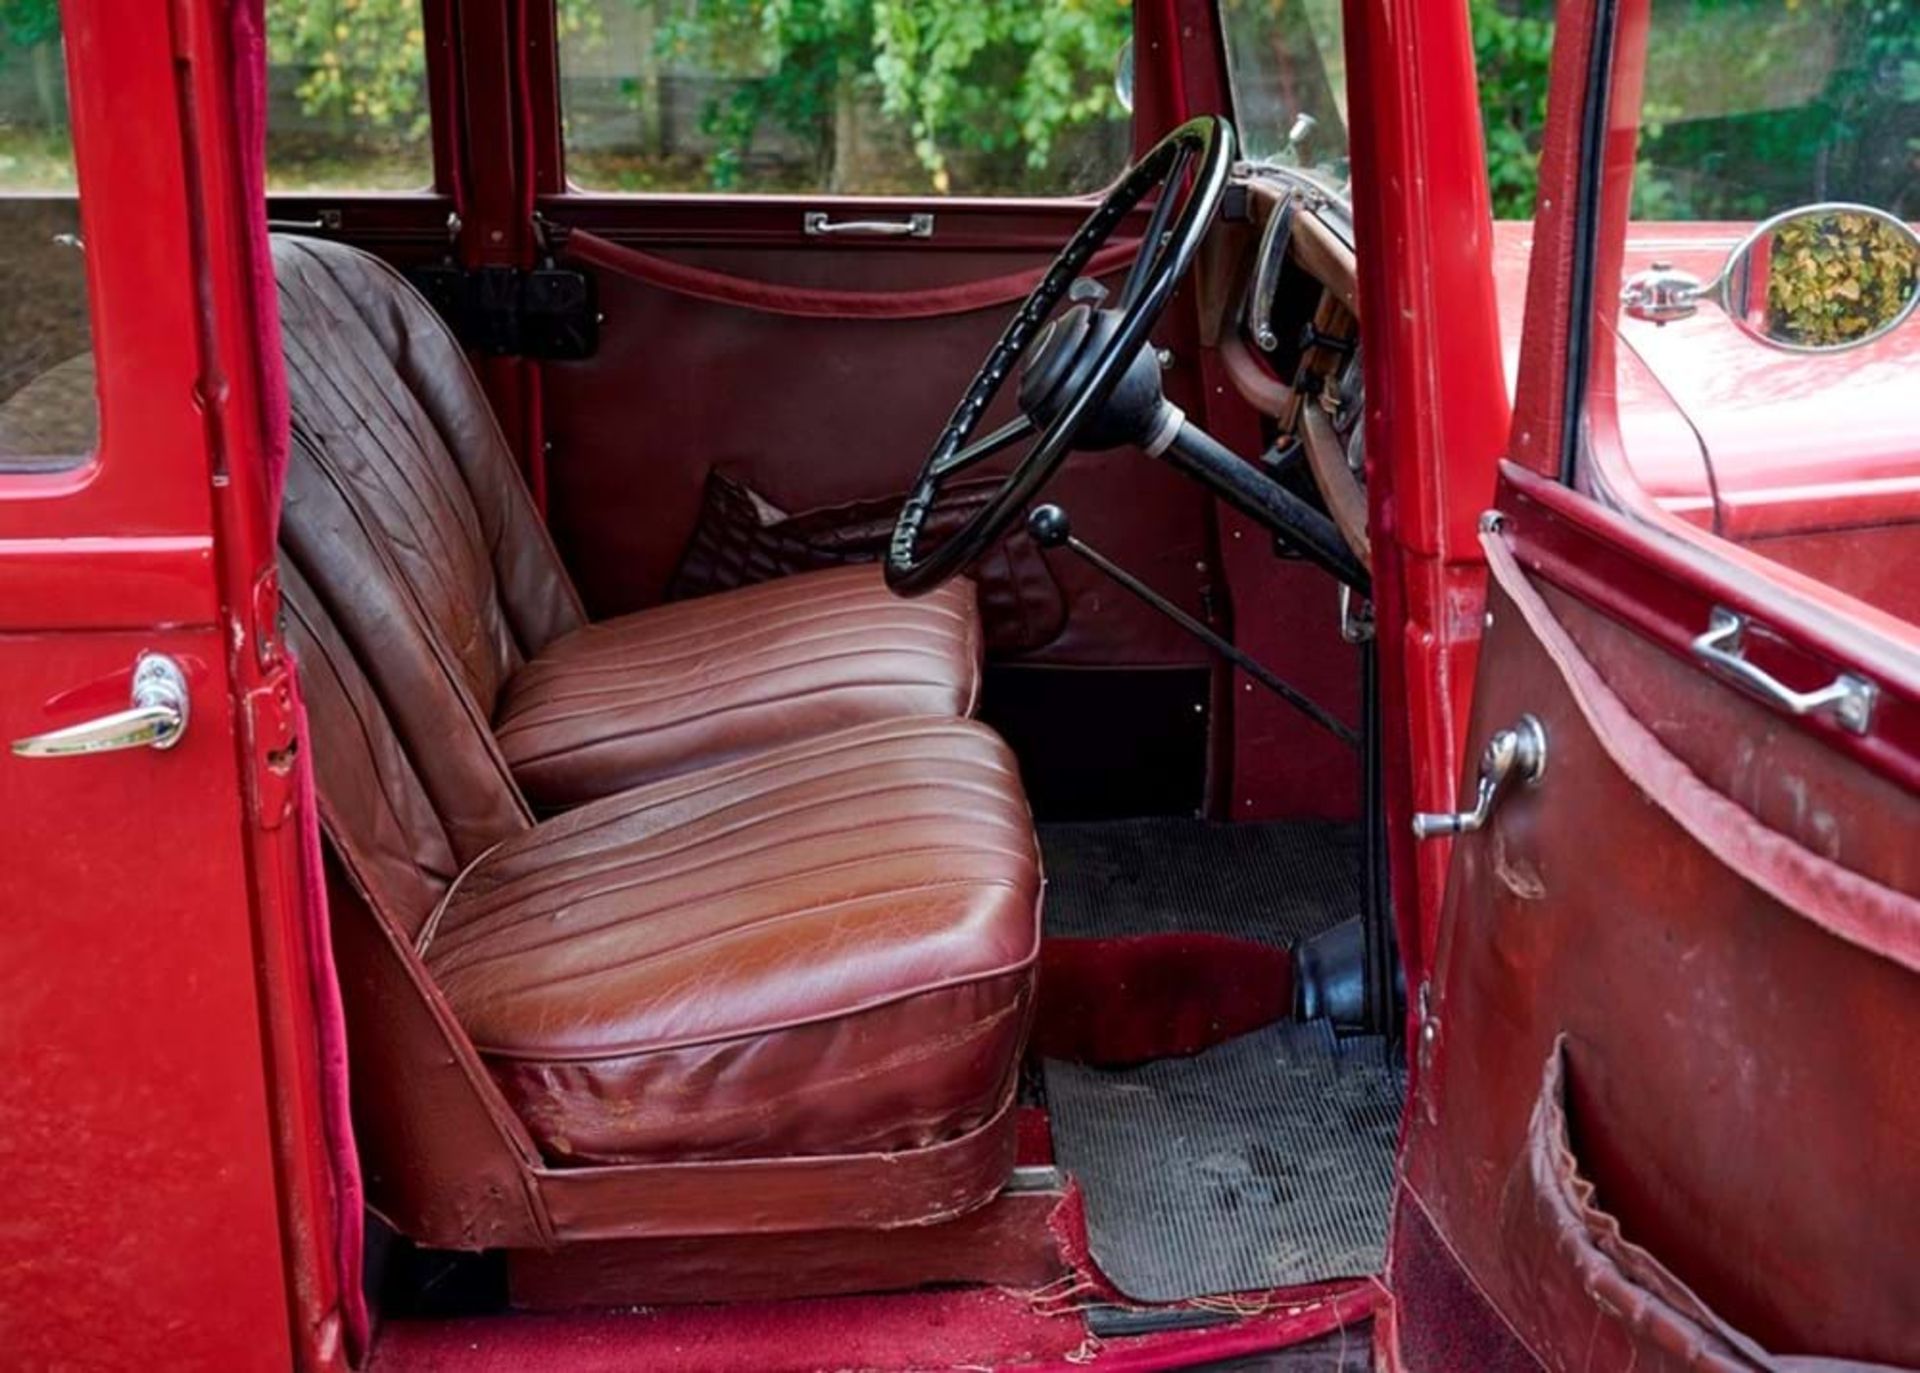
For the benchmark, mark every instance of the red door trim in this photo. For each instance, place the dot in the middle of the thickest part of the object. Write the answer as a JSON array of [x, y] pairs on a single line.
[[1665, 588]]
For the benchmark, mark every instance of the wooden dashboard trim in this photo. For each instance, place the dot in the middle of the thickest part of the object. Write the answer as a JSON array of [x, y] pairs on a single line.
[[1327, 460]]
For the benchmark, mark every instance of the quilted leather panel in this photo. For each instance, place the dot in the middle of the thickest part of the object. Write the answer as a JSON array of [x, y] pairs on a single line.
[[743, 539], [826, 949], [628, 701], [375, 806], [385, 402]]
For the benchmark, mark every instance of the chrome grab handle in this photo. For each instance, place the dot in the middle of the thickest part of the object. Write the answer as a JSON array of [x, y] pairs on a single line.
[[157, 720], [819, 222], [1266, 282], [1722, 647], [1517, 753]]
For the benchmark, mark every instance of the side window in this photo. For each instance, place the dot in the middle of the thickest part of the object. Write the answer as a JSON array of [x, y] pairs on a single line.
[[347, 96], [846, 97], [48, 414], [1755, 366]]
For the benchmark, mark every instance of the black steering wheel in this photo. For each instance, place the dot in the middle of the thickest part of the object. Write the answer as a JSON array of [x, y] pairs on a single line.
[[1082, 367]]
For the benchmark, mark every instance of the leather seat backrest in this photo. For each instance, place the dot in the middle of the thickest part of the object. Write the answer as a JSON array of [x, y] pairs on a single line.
[[373, 802], [338, 571], [442, 1153], [386, 406]]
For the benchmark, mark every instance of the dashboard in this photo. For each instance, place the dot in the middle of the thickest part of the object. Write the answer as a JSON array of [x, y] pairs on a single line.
[[1285, 319]]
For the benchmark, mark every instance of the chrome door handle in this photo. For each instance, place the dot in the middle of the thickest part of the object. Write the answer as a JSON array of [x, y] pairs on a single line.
[[913, 226], [1517, 753], [157, 719], [1722, 647]]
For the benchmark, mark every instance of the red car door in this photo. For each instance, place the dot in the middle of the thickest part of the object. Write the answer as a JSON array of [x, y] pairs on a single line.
[[1663, 1110], [160, 1133]]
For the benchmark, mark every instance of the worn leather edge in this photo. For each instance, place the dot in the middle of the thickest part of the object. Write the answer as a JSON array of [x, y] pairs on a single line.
[[878, 1191]]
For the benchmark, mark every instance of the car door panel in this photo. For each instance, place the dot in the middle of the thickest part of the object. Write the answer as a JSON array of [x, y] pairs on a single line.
[[1664, 1109], [822, 407]]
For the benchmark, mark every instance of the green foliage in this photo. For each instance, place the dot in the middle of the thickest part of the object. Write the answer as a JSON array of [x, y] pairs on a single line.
[[791, 59], [999, 78], [1750, 106], [996, 77], [363, 62], [1835, 278], [26, 23], [1513, 51]]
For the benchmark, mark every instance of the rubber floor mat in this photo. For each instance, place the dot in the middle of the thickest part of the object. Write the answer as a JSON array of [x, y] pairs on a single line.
[[1274, 883], [1264, 1162]]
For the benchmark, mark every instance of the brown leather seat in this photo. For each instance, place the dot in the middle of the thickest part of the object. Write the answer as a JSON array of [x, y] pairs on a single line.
[[826, 949], [787, 992], [726, 676], [388, 413]]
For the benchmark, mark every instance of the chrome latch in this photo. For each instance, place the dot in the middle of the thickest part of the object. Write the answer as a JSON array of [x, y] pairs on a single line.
[[1515, 754], [157, 719]]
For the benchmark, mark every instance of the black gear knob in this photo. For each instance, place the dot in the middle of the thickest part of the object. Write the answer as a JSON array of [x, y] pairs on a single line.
[[1049, 526]]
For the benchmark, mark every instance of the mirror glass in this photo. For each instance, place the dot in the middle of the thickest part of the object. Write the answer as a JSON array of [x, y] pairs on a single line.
[[1823, 278], [1123, 76]]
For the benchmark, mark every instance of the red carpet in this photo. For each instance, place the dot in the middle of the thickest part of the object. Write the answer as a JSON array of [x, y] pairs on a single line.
[[1115, 1002], [927, 1330]]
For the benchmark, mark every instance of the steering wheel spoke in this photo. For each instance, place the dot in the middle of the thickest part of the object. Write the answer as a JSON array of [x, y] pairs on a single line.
[[1190, 167], [983, 448]]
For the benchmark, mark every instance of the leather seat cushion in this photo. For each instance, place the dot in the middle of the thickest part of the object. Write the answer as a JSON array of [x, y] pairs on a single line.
[[630, 700], [826, 949]]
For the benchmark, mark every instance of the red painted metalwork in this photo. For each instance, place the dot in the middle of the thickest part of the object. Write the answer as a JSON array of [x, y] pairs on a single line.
[[168, 1154], [1681, 904], [1436, 403], [163, 1041]]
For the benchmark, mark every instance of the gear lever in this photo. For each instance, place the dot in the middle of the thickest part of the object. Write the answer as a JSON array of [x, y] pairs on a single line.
[[1050, 527]]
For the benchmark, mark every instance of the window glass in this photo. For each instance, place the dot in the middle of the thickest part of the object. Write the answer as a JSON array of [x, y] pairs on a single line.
[[48, 414], [1287, 67], [1752, 106], [855, 97], [347, 96], [1773, 406]]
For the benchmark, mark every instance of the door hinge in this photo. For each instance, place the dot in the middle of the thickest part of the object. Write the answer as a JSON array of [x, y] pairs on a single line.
[[273, 745], [538, 312]]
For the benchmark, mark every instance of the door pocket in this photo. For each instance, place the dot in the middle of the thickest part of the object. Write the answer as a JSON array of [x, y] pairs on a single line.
[[1640, 1314], [743, 538]]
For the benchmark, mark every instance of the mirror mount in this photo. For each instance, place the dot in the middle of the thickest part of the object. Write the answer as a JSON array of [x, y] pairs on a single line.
[[1818, 279], [1663, 293]]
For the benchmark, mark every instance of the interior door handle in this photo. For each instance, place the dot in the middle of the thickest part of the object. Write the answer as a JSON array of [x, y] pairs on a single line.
[[157, 718], [913, 226], [1722, 647], [1517, 753]]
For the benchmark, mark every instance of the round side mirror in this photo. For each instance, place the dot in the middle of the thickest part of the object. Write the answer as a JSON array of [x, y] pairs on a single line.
[[1123, 76], [1822, 278]]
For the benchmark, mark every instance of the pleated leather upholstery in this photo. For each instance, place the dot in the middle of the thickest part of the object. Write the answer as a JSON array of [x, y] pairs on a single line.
[[628, 701], [820, 948], [825, 949], [395, 449], [384, 400]]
